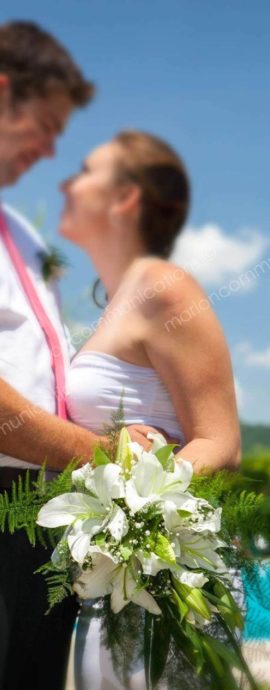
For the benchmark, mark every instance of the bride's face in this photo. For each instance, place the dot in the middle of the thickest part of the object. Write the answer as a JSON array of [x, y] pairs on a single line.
[[90, 197]]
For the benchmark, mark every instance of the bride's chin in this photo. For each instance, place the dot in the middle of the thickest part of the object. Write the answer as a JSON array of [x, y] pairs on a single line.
[[64, 228], [62, 231]]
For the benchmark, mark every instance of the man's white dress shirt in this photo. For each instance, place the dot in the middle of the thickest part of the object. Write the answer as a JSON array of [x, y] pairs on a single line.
[[25, 358]]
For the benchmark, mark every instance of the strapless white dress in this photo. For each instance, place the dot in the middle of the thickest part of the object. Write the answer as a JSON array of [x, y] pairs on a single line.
[[108, 649], [97, 383]]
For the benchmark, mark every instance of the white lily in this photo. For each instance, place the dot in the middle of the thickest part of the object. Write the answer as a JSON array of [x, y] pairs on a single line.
[[125, 589], [79, 476], [209, 523], [199, 551], [86, 516], [203, 517], [79, 536], [106, 577], [192, 579], [66, 508], [150, 483], [193, 547], [159, 441], [106, 482], [151, 564], [97, 580]]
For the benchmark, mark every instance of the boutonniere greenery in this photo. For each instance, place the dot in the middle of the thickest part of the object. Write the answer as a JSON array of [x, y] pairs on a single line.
[[53, 264]]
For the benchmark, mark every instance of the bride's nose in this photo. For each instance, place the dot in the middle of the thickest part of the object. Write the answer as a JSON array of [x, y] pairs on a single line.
[[64, 186]]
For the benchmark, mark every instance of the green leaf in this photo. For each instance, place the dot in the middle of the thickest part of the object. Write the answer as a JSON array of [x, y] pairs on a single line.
[[237, 648], [125, 551], [148, 650], [184, 513], [181, 605], [213, 656], [194, 599], [233, 616], [163, 455], [100, 457], [227, 606], [198, 603], [225, 653], [100, 539], [186, 636], [161, 546], [156, 647]]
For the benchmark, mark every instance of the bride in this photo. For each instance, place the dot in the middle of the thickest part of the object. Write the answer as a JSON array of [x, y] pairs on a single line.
[[158, 347]]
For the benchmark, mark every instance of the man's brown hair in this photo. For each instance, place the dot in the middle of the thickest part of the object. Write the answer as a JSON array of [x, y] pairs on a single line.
[[36, 62]]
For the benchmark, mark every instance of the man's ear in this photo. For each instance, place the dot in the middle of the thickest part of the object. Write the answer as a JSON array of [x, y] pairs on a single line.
[[4, 82], [5, 92]]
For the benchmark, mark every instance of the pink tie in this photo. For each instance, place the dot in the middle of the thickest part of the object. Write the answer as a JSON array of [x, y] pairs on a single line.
[[57, 361]]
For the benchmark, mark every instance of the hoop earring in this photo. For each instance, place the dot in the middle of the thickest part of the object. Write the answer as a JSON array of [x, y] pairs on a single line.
[[95, 288]]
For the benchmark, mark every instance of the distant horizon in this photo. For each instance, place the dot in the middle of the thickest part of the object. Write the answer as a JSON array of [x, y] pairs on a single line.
[[264, 426]]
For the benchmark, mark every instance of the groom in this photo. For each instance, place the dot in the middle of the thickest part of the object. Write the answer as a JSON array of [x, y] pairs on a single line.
[[40, 87]]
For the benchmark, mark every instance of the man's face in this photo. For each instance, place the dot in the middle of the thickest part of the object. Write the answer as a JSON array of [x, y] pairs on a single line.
[[28, 132]]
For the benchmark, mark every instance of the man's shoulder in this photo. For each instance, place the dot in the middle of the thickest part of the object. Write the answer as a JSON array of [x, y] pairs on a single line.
[[19, 223]]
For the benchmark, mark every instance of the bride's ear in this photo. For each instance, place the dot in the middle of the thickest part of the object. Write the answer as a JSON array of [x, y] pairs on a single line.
[[128, 199]]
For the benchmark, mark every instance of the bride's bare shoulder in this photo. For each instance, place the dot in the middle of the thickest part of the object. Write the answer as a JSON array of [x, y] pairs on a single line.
[[162, 282]]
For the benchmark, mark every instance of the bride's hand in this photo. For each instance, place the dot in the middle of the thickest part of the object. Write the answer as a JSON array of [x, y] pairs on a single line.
[[138, 432]]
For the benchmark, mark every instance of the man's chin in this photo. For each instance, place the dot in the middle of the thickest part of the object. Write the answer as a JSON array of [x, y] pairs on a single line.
[[17, 176], [9, 179], [22, 168], [13, 175]]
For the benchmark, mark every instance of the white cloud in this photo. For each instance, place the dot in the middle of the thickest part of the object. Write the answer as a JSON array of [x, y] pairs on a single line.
[[253, 358], [259, 359], [214, 257]]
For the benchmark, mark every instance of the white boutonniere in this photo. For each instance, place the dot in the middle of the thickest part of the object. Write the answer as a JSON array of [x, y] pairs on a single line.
[[53, 264]]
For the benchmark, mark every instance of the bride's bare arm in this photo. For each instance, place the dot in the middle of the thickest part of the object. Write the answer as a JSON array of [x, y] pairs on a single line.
[[29, 433], [186, 345]]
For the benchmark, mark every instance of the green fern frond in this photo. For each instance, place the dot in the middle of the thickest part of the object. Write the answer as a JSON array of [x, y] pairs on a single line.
[[245, 512], [113, 429], [58, 583], [20, 508], [215, 487], [246, 515]]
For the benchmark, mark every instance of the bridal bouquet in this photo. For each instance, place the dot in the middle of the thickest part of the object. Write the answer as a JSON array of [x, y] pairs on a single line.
[[135, 532], [137, 528]]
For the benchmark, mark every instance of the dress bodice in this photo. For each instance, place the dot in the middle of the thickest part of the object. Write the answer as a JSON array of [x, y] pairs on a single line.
[[97, 382]]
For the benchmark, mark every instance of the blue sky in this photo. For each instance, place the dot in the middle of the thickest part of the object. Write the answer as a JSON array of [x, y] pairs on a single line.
[[195, 72]]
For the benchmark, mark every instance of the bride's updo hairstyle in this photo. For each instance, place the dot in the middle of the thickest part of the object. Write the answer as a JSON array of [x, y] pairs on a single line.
[[160, 173], [165, 190]]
